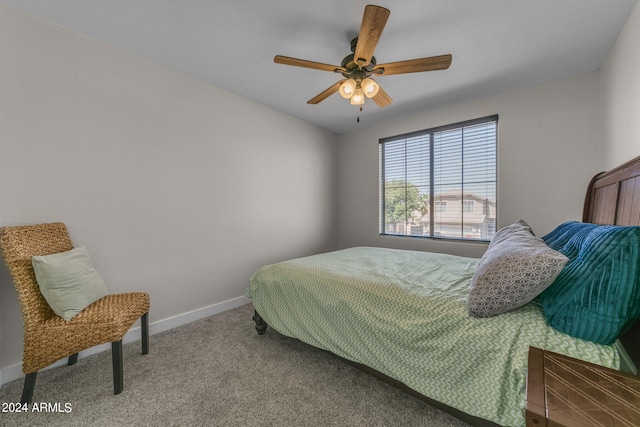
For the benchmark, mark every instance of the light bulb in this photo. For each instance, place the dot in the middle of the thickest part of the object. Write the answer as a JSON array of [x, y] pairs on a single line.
[[358, 97], [347, 88], [370, 87]]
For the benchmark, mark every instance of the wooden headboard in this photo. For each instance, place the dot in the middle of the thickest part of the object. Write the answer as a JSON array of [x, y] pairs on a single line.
[[613, 198]]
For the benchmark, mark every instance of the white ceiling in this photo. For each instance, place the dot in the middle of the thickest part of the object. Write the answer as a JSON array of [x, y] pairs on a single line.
[[497, 45]]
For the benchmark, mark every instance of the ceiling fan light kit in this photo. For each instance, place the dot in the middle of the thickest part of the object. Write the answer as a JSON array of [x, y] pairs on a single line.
[[370, 87], [347, 88], [358, 96], [358, 67], [355, 90]]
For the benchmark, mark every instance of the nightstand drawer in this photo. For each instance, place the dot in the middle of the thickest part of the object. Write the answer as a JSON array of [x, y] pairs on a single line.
[[562, 391]]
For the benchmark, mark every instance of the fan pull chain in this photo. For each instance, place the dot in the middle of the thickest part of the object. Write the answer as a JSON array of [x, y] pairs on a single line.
[[358, 118]]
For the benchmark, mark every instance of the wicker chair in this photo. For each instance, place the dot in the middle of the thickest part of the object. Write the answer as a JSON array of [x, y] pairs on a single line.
[[47, 337]]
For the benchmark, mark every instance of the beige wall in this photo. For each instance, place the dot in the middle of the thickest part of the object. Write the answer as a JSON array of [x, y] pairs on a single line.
[[548, 138], [621, 96], [176, 187]]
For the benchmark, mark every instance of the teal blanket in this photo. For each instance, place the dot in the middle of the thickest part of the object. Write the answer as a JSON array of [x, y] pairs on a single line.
[[403, 313]]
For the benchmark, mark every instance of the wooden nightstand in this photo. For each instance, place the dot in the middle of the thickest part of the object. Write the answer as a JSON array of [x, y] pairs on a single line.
[[562, 391]]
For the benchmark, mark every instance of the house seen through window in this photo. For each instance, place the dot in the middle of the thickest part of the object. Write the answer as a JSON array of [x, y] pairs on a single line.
[[441, 182]]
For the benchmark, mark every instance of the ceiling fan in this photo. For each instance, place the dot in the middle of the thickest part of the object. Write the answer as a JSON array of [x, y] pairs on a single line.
[[360, 66]]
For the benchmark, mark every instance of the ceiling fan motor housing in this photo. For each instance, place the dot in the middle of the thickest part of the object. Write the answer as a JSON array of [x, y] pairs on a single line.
[[354, 71]]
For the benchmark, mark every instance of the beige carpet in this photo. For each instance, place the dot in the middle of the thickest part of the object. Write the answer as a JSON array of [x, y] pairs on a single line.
[[219, 372]]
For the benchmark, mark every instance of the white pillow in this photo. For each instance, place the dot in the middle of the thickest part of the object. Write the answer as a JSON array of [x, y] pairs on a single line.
[[515, 269], [68, 281]]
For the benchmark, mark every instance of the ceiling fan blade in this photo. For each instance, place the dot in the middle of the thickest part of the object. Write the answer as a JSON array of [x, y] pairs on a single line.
[[326, 93], [373, 22], [279, 59], [432, 63], [382, 98]]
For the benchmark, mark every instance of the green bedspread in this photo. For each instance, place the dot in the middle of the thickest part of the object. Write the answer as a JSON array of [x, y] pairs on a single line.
[[403, 313]]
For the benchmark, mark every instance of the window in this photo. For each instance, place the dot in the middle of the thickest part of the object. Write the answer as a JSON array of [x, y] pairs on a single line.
[[467, 206], [441, 182], [441, 206]]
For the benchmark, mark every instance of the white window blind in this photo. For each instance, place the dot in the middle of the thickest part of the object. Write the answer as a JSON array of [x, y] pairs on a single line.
[[441, 182]]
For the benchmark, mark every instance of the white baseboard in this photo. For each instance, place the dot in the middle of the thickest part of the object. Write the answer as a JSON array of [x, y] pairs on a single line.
[[14, 372]]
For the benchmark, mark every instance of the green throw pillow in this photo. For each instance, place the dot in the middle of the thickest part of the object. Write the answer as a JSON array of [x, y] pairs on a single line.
[[68, 281], [597, 294]]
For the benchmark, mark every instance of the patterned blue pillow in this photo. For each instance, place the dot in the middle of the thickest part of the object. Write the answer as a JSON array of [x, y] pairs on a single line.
[[598, 291], [564, 233]]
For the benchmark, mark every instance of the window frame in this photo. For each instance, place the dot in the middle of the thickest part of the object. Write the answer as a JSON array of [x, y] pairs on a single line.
[[430, 132]]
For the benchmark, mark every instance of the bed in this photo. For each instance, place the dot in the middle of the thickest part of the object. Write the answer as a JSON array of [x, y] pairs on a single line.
[[404, 316]]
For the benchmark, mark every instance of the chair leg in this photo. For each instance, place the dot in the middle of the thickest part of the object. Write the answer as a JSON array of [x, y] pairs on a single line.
[[144, 326], [72, 359], [29, 385], [118, 374]]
